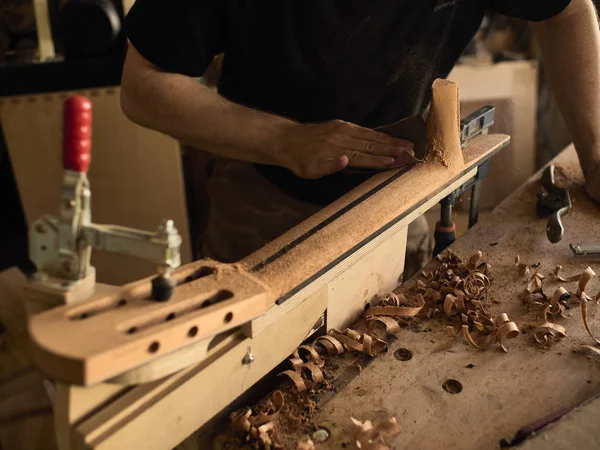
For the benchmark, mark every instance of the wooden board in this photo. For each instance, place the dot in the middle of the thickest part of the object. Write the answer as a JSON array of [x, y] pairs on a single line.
[[123, 330], [501, 392]]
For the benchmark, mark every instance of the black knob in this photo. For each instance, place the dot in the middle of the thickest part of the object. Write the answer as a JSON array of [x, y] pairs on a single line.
[[162, 288]]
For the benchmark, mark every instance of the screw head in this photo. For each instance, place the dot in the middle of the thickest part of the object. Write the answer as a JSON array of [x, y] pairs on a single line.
[[248, 358], [321, 435]]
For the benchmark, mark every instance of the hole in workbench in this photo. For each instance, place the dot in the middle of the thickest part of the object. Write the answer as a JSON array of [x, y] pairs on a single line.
[[153, 348], [228, 317], [452, 386], [122, 302], [132, 330], [367, 306], [44, 248], [170, 317], [193, 331], [83, 316], [202, 272], [403, 354]]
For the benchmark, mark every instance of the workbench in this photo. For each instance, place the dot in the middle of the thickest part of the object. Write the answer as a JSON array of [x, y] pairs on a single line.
[[501, 392]]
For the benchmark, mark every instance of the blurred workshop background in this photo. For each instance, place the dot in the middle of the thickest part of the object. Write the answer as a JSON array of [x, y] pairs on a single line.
[[51, 48]]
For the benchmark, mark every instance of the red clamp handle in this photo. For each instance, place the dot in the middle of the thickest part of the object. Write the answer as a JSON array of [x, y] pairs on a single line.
[[77, 133]]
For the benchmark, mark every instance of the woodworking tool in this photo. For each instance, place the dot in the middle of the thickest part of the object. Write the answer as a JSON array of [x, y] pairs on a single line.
[[553, 202], [60, 247], [473, 125], [585, 249], [476, 123]]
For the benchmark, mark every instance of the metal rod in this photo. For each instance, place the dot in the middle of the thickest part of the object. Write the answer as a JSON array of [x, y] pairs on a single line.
[[474, 208]]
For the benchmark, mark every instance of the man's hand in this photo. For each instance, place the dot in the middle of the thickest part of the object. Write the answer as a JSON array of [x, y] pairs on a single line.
[[592, 182], [316, 150]]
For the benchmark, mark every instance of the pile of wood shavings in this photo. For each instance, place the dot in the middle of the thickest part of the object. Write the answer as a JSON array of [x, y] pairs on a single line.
[[368, 437], [308, 361], [459, 290], [258, 427], [534, 296]]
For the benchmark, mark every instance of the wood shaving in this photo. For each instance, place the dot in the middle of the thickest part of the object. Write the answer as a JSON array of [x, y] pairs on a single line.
[[394, 305], [311, 354], [296, 378], [360, 342], [557, 271], [534, 285], [368, 437], [258, 428], [464, 287], [594, 350], [546, 333], [501, 330], [523, 268], [306, 445], [584, 279], [391, 326]]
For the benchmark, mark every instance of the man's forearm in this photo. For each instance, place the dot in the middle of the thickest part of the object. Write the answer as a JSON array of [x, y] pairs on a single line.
[[182, 107], [570, 44]]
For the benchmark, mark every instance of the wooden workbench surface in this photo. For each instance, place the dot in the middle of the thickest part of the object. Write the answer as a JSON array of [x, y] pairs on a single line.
[[502, 392]]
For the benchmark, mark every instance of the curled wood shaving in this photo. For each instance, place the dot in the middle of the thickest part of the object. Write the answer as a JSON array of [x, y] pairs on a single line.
[[501, 330], [594, 350], [257, 427], [306, 445], [393, 308], [456, 301], [332, 346], [311, 353], [584, 279], [373, 438], [353, 340], [557, 271], [296, 378], [556, 307], [315, 372], [534, 284], [584, 319], [548, 332], [391, 326]]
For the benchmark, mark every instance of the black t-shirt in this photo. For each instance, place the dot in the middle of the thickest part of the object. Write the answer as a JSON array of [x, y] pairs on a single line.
[[370, 62]]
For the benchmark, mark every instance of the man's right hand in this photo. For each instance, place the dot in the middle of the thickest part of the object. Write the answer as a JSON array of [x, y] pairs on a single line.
[[316, 150]]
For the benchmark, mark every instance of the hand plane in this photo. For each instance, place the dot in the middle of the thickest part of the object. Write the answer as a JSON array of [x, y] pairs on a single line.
[[553, 202]]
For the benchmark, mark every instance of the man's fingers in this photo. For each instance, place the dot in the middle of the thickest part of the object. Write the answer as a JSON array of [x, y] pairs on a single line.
[[365, 161], [368, 134], [370, 147], [328, 166]]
